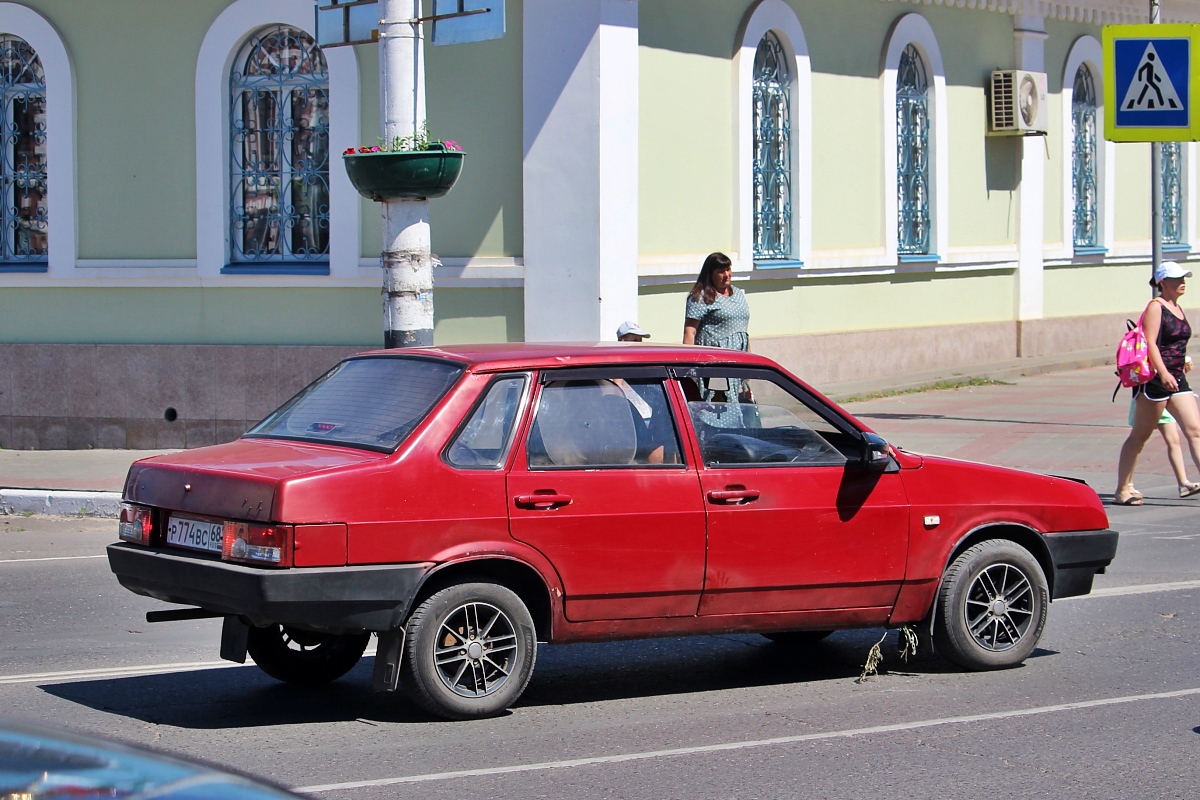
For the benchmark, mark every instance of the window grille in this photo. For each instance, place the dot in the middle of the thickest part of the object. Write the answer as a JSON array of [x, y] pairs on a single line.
[[912, 157], [1084, 178], [279, 128], [1172, 193], [772, 151], [23, 219]]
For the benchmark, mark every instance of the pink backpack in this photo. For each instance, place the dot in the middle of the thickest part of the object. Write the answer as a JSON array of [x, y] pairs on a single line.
[[1133, 356]]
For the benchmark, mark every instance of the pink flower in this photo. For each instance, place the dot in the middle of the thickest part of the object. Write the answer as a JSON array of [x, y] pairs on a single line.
[[451, 145], [376, 149]]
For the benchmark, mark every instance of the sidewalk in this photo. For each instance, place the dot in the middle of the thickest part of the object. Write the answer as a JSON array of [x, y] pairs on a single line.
[[1056, 418]]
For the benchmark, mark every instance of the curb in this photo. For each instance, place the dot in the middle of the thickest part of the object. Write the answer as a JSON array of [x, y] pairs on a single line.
[[1001, 371], [59, 503]]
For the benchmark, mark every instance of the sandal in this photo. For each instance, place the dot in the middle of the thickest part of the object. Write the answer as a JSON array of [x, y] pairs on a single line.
[[1132, 499], [1189, 489]]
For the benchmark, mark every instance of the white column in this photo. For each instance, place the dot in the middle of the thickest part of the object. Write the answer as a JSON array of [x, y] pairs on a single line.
[[1030, 35], [407, 265], [580, 74]]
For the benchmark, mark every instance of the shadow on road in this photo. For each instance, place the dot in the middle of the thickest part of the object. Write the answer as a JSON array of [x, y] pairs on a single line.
[[243, 697]]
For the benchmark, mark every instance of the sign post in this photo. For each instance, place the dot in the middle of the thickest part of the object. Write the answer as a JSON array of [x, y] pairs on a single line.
[[397, 26], [1151, 94]]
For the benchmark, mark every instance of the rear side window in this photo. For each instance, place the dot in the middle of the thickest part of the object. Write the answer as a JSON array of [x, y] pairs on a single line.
[[484, 440], [373, 403], [610, 422]]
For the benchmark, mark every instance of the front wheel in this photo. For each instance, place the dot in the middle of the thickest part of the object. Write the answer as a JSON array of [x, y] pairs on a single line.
[[469, 651], [298, 656], [991, 608]]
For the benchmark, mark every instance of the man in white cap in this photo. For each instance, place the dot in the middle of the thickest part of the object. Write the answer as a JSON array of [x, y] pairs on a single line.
[[630, 332]]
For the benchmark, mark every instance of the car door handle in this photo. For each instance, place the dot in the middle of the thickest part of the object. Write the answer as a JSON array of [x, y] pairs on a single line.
[[734, 497], [542, 502]]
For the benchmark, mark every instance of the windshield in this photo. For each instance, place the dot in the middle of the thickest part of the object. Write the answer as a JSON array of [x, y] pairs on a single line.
[[372, 403]]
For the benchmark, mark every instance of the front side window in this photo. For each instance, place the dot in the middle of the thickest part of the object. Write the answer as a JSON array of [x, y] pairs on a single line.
[[371, 403], [772, 151], [609, 422], [23, 219], [1084, 175], [746, 418], [279, 118], [912, 155], [483, 442], [1172, 193]]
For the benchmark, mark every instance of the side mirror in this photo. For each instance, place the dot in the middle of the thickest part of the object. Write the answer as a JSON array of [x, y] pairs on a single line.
[[877, 453]]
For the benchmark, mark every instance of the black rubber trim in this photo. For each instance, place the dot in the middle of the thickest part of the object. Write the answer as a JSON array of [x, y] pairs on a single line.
[[1077, 557], [341, 599]]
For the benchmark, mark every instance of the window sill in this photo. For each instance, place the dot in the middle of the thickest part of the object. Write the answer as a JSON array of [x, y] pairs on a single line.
[[277, 268], [24, 267], [1091, 251], [780, 263], [1177, 248], [919, 258]]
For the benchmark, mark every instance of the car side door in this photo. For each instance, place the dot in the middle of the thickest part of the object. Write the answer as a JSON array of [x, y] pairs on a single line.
[[796, 521], [602, 488]]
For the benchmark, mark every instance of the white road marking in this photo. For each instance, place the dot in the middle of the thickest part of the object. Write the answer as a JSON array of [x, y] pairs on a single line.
[[745, 745], [1146, 588], [66, 676], [48, 558], [113, 672]]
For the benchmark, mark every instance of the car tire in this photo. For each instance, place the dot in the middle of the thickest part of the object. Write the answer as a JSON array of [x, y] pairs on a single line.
[[305, 657], [991, 607], [797, 638], [469, 651]]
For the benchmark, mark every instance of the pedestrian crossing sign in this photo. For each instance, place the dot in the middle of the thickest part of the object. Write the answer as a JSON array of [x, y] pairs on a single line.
[[1150, 83]]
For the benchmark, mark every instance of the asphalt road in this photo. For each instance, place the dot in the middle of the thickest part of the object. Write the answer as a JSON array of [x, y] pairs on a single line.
[[1107, 707]]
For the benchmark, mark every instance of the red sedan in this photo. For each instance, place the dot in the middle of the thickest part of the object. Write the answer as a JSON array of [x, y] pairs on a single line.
[[465, 503]]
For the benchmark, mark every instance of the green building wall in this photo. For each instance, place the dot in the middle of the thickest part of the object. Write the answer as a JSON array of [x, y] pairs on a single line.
[[136, 183]]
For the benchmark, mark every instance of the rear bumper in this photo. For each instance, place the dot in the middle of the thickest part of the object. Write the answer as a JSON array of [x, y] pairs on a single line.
[[1078, 556], [339, 599]]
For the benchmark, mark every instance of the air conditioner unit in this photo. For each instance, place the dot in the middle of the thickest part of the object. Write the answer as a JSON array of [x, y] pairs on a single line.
[[1018, 102]]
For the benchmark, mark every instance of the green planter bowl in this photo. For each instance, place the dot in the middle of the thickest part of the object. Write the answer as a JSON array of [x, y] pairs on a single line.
[[406, 175]]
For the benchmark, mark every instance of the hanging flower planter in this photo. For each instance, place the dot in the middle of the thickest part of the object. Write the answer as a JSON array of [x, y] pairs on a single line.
[[382, 175]]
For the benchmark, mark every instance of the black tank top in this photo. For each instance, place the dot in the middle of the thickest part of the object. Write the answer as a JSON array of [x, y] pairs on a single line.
[[1173, 335]]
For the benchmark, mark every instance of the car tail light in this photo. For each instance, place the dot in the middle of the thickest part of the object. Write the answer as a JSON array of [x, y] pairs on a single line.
[[256, 544], [136, 524]]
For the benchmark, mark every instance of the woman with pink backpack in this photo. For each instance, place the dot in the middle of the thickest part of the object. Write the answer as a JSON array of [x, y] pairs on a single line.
[[1167, 332]]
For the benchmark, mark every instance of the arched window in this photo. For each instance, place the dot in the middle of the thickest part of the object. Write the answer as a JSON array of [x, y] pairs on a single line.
[[23, 217], [1172, 194], [772, 151], [912, 153], [279, 153], [1084, 165]]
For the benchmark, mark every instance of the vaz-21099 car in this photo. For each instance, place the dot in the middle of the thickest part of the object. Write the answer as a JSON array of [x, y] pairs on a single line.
[[465, 503]]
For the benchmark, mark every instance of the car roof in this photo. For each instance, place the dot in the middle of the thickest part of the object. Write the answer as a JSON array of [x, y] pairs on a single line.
[[546, 355]]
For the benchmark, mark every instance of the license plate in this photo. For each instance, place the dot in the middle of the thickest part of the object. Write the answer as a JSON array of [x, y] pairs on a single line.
[[195, 534]]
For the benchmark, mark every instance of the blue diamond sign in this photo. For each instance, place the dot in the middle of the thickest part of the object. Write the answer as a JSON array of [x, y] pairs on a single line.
[[1150, 85]]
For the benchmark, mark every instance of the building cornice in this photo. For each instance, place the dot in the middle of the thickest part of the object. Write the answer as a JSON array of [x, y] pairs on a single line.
[[1099, 12]]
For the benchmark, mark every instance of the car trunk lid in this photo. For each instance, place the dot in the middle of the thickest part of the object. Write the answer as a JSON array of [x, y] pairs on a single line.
[[237, 480]]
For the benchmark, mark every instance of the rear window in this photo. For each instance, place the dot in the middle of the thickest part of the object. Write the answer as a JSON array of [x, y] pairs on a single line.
[[373, 403]]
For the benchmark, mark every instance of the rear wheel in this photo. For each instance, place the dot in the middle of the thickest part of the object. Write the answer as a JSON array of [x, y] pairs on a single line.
[[797, 638], [305, 657], [991, 608], [469, 651]]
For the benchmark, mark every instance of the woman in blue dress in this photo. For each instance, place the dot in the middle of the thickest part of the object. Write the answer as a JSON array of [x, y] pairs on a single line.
[[717, 315]]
